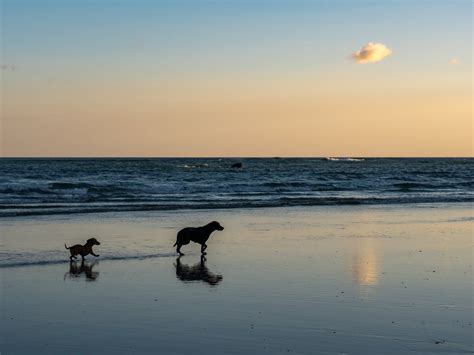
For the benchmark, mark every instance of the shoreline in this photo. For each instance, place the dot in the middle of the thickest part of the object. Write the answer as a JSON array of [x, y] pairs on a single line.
[[442, 204]]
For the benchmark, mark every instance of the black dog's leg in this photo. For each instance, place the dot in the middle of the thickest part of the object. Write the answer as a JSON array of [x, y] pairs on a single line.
[[96, 255], [70, 258], [203, 248], [178, 249]]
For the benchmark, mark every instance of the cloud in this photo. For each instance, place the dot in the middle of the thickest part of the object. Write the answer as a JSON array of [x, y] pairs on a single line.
[[10, 67], [454, 61], [371, 53]]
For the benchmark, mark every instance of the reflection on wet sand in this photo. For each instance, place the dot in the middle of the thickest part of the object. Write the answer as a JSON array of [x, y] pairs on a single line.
[[76, 270], [365, 263], [197, 272]]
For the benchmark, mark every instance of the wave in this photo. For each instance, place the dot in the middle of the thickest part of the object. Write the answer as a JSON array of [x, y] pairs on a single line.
[[69, 185], [23, 263], [304, 185], [343, 159], [193, 166], [418, 186], [25, 191], [25, 210]]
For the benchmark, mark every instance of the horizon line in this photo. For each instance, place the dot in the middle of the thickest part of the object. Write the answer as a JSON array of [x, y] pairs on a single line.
[[237, 157]]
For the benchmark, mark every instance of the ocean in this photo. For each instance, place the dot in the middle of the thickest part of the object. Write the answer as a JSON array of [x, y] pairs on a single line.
[[65, 186]]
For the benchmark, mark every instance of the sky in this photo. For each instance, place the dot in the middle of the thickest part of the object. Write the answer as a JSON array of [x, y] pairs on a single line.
[[236, 78]]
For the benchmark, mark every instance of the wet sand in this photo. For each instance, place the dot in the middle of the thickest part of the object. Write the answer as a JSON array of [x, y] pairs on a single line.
[[358, 280]]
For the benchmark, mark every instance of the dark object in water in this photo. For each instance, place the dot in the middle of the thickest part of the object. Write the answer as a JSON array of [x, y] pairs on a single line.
[[237, 165]]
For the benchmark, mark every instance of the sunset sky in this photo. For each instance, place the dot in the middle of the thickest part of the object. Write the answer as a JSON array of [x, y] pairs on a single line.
[[236, 78]]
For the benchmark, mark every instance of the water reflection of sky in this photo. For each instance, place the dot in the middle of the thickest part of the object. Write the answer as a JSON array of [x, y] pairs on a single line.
[[365, 263], [365, 257]]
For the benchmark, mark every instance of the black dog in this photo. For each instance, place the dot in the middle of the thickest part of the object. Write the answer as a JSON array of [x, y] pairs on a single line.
[[197, 235]]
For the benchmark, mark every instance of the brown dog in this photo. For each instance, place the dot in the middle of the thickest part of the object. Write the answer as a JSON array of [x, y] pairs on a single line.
[[83, 250], [197, 235]]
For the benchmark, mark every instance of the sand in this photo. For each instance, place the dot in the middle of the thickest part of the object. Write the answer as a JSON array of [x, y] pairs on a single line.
[[358, 280]]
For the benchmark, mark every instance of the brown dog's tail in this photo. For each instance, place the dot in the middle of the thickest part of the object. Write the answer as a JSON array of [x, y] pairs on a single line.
[[66, 246]]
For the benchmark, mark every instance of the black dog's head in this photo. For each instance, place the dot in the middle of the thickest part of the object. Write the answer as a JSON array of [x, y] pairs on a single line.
[[93, 241], [216, 226]]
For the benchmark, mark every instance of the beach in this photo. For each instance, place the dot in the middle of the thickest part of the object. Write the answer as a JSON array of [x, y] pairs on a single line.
[[327, 146], [376, 279]]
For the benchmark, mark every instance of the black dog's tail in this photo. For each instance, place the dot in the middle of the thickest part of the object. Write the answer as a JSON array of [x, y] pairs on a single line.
[[175, 243], [66, 246]]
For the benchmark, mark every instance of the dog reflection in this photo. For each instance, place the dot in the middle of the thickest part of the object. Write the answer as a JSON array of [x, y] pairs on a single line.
[[197, 272], [75, 270]]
